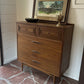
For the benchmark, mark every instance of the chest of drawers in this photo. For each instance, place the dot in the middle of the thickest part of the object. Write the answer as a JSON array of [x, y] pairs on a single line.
[[45, 47]]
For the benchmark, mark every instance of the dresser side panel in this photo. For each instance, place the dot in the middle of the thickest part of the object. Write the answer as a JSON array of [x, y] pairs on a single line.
[[67, 43]]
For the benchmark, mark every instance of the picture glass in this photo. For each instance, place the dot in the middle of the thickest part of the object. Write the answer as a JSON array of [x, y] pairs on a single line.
[[50, 9]]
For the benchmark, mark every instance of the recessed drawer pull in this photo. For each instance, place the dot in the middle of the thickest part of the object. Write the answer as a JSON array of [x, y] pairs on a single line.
[[36, 42], [35, 61], [34, 51]]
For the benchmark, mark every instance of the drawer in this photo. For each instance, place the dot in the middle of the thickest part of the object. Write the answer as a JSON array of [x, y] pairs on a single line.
[[48, 45], [25, 45], [27, 29], [47, 49], [47, 54], [43, 64], [50, 33]]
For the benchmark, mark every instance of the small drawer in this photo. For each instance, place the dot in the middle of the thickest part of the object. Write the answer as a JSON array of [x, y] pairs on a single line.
[[50, 33], [27, 29]]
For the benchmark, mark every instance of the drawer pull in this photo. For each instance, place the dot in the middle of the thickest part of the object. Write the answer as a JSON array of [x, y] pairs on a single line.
[[34, 51], [35, 61], [36, 42]]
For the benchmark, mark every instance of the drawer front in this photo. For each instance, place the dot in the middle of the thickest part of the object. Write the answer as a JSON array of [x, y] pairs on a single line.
[[50, 33], [42, 64], [55, 46], [47, 54], [25, 45], [27, 29]]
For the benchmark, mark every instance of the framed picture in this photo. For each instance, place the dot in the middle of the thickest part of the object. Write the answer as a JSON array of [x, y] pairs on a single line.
[[50, 9]]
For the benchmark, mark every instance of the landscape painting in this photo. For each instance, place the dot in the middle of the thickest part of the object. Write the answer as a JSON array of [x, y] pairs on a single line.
[[49, 8]]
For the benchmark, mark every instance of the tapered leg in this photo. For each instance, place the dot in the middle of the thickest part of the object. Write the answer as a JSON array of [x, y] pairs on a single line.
[[22, 67], [56, 80]]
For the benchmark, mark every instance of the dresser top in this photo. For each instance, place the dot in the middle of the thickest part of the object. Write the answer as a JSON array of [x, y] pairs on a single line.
[[47, 24]]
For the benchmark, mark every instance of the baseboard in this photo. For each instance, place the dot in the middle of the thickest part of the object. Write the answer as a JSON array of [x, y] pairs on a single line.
[[10, 60], [72, 76]]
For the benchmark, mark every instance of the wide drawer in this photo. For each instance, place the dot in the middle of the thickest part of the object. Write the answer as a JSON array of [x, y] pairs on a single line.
[[47, 44], [43, 65], [46, 54]]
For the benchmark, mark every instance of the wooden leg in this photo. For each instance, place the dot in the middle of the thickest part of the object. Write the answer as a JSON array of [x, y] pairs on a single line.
[[56, 80], [22, 67]]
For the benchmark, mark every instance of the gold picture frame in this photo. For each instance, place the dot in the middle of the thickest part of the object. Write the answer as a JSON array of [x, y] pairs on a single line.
[[50, 9]]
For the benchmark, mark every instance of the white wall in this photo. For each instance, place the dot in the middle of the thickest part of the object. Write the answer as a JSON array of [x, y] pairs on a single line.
[[8, 29], [24, 9], [76, 17]]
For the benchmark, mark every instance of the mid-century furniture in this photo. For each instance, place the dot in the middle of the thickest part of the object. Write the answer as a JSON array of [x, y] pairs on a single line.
[[81, 80], [45, 47]]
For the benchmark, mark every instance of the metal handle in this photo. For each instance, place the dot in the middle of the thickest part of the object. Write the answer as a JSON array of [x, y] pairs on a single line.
[[36, 42], [34, 51], [35, 61]]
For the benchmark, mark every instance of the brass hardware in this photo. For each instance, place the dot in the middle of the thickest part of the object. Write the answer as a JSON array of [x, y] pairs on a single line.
[[34, 51], [36, 42], [35, 61]]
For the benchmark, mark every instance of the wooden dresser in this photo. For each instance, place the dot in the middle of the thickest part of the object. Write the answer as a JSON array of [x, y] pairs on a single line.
[[45, 47]]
